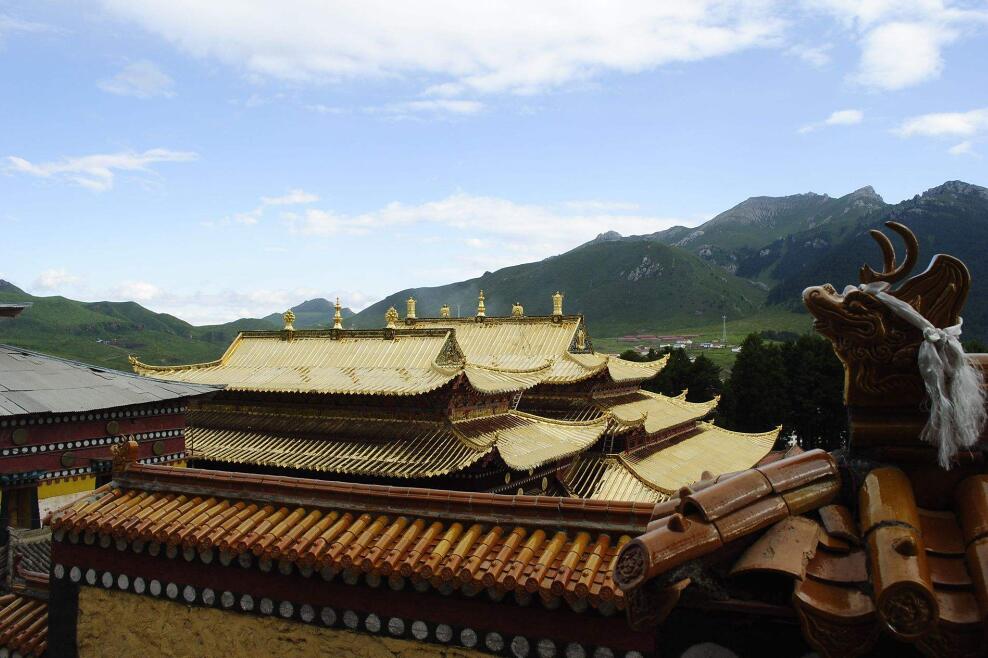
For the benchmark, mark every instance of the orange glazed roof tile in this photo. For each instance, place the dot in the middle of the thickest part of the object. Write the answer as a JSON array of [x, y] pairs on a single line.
[[23, 625], [556, 547]]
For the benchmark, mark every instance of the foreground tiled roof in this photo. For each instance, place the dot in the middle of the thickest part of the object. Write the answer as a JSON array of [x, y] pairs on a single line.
[[380, 446], [31, 383], [23, 625], [556, 547], [316, 362]]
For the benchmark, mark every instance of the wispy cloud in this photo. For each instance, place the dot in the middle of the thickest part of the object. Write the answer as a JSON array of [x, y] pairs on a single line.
[[55, 279], [469, 47], [97, 172], [10, 23], [902, 41], [295, 197], [951, 124], [292, 198], [816, 56], [141, 79], [838, 118], [964, 148]]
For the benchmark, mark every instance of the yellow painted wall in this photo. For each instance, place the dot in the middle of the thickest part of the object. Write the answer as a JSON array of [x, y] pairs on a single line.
[[65, 486], [114, 623]]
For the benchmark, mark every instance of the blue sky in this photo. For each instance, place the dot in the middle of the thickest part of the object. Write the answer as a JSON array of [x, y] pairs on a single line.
[[231, 158]]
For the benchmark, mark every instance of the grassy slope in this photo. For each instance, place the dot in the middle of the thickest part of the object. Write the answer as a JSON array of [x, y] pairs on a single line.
[[619, 286]]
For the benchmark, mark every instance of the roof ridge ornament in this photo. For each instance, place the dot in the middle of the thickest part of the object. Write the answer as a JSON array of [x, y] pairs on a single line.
[[557, 304], [391, 318], [481, 309], [289, 318], [517, 310], [410, 308], [902, 356], [444, 311], [337, 315]]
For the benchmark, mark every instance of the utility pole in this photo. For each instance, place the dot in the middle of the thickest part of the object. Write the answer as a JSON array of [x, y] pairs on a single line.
[[723, 339]]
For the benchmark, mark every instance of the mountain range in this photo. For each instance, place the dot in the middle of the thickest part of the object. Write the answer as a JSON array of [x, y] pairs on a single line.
[[749, 262]]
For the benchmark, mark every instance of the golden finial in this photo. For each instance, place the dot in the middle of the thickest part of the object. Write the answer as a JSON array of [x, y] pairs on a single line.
[[391, 316], [516, 310], [557, 303], [289, 318], [444, 311], [481, 309], [410, 308], [337, 315], [581, 339]]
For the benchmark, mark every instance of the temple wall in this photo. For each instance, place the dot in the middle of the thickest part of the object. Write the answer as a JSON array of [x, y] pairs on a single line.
[[120, 624]]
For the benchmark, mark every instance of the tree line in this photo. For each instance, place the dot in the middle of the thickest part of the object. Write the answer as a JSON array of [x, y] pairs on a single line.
[[797, 383]]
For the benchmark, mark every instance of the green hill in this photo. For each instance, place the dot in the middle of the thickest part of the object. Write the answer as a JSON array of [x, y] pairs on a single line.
[[620, 286], [311, 314]]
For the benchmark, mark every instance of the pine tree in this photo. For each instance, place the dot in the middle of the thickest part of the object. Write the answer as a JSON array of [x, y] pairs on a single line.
[[674, 377], [754, 398], [704, 380], [815, 378]]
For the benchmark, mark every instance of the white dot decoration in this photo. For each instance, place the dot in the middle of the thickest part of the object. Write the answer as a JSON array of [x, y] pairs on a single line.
[[91, 576], [189, 594], [59, 571], [396, 626], [123, 582], [468, 637], [247, 602], [139, 585], [189, 553], [494, 642], [155, 588], [634, 654], [444, 633], [264, 564], [419, 630], [327, 616], [244, 560], [373, 623], [307, 613], [546, 648], [208, 596], [574, 650], [267, 606], [603, 652], [171, 590], [520, 647], [227, 599], [75, 574], [350, 619], [286, 609]]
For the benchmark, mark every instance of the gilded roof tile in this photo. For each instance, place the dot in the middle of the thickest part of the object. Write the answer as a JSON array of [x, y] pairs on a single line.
[[605, 477], [713, 449], [656, 411], [408, 363]]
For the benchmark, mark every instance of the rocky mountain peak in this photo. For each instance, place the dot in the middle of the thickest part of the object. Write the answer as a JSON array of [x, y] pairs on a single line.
[[607, 236], [956, 188]]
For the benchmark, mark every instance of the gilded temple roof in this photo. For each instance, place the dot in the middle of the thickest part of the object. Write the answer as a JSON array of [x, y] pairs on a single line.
[[497, 355], [383, 447], [654, 473], [653, 410]]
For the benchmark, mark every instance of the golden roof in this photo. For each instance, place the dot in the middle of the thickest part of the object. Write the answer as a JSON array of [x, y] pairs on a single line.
[[657, 412], [306, 440], [655, 474], [496, 355], [405, 363], [714, 449]]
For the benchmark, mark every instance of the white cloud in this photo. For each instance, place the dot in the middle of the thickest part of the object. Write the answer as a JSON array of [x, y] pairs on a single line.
[[138, 291], [97, 172], [838, 118], [452, 45], [292, 198], [902, 41], [816, 56], [142, 79], [55, 279], [964, 148], [219, 306], [951, 124], [10, 23], [434, 106], [519, 231]]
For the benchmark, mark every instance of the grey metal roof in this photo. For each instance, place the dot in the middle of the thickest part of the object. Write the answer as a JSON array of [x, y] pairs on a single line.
[[12, 310], [31, 383]]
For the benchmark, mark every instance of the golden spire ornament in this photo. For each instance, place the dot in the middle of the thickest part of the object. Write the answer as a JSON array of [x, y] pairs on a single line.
[[444, 311], [410, 308], [289, 318], [517, 310], [337, 315], [481, 309], [391, 317], [557, 303]]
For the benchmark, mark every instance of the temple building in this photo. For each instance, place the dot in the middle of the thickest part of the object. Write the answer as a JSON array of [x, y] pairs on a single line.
[[500, 404]]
